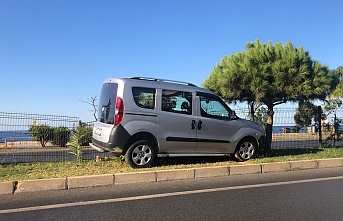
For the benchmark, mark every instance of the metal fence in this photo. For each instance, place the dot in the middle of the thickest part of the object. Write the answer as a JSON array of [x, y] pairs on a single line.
[[17, 144], [308, 137]]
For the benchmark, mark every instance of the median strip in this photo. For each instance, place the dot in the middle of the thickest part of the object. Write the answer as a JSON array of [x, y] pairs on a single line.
[[11, 187]]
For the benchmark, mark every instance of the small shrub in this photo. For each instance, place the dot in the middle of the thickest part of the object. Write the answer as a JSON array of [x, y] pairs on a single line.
[[61, 136], [74, 145], [86, 131], [40, 132], [120, 159]]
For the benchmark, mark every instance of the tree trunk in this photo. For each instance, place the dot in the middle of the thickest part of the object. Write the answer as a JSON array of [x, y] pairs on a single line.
[[269, 130], [252, 111]]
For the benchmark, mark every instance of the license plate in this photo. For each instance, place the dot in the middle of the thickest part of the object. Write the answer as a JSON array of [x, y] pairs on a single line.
[[97, 131]]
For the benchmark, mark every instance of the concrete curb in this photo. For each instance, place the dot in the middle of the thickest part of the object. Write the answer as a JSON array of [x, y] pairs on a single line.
[[328, 163], [90, 181], [41, 185], [182, 174], [11, 187], [245, 169], [276, 167], [7, 187], [205, 172], [304, 165], [136, 177]]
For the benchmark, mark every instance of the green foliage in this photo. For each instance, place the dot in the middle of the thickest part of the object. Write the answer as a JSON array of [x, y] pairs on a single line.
[[331, 105], [334, 133], [338, 90], [296, 128], [146, 100], [119, 159], [261, 116], [82, 136], [40, 132], [271, 74], [86, 131], [304, 114], [74, 144], [60, 136]]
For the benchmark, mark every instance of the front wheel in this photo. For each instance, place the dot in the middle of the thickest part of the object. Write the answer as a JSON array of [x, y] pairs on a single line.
[[246, 149], [140, 154]]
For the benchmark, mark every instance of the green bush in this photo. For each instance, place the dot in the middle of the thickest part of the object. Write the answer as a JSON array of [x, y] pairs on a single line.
[[61, 136], [86, 131], [81, 136], [74, 145], [40, 132]]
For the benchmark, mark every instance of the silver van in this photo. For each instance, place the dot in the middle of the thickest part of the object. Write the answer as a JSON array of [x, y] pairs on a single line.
[[145, 118]]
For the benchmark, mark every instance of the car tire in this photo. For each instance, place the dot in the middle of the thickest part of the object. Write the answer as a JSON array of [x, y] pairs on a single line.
[[246, 149], [140, 154]]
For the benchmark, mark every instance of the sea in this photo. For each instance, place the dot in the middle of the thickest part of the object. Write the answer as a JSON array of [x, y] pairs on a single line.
[[15, 135], [278, 129]]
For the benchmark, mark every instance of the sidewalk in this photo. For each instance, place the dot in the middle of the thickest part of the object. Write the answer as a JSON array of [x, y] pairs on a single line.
[[14, 187]]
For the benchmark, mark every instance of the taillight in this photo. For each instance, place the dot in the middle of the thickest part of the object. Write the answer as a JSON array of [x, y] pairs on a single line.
[[119, 113]]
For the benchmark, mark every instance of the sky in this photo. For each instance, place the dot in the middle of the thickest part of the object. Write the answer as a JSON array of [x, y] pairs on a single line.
[[54, 54]]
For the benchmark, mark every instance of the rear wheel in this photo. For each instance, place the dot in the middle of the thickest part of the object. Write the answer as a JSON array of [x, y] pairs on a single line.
[[246, 149], [140, 154]]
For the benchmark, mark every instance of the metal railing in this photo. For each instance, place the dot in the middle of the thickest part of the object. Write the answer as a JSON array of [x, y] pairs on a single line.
[[17, 144]]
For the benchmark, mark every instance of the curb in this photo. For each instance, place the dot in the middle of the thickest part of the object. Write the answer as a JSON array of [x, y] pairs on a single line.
[[89, 181], [40, 185], [13, 187]]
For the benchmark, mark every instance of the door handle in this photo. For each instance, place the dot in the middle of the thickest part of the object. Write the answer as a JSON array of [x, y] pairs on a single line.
[[193, 124], [199, 125]]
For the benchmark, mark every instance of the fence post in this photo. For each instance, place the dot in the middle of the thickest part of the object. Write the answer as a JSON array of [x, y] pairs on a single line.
[[319, 119], [335, 125]]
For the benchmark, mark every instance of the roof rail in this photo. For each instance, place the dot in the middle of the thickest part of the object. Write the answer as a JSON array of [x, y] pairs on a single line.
[[163, 80]]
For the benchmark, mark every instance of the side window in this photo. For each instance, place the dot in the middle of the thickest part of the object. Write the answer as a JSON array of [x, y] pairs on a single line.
[[213, 107], [144, 97], [177, 101]]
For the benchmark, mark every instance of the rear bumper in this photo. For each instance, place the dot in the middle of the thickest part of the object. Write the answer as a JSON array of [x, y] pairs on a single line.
[[96, 148], [116, 143]]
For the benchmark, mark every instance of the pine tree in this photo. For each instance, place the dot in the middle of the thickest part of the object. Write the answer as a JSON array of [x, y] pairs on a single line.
[[270, 74]]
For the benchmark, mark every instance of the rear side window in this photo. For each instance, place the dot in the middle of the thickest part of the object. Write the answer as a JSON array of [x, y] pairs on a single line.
[[177, 101], [107, 103], [144, 97]]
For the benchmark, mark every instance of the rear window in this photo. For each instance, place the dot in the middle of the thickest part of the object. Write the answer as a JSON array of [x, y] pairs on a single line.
[[144, 97], [107, 103]]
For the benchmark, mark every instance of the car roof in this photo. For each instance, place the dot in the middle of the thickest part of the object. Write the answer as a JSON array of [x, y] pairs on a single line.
[[157, 82]]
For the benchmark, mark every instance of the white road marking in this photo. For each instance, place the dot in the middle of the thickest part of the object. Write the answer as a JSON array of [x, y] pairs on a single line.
[[123, 199]]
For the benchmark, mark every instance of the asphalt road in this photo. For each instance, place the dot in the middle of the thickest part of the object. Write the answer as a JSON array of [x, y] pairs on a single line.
[[295, 195]]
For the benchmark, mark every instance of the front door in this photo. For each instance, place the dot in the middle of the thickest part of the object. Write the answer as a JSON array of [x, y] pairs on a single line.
[[215, 129]]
